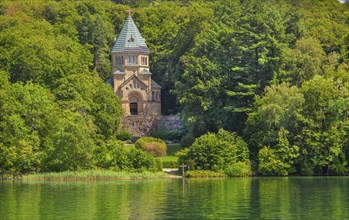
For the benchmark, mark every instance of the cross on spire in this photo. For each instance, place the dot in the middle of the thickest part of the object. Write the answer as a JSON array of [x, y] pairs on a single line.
[[129, 12]]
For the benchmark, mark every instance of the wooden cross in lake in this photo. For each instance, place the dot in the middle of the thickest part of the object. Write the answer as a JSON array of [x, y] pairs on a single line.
[[129, 12]]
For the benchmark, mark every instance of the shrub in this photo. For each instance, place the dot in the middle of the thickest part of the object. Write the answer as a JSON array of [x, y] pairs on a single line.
[[169, 135], [307, 170], [111, 155], [114, 156], [239, 169], [172, 149], [155, 146], [170, 164], [215, 151], [158, 164], [124, 135], [203, 174], [141, 160], [270, 164], [187, 140]]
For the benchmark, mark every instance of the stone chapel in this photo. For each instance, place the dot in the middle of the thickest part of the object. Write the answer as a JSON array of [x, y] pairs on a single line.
[[131, 78]]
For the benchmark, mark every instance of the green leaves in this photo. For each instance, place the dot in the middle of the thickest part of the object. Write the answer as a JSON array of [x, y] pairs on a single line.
[[215, 151], [28, 116], [305, 128]]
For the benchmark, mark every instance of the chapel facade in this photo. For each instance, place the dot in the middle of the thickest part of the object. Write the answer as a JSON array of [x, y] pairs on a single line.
[[131, 78]]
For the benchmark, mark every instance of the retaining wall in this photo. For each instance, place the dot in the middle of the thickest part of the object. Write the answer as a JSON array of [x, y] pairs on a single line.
[[141, 126]]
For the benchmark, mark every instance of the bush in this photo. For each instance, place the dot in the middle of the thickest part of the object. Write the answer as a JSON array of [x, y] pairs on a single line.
[[187, 140], [215, 151], [203, 174], [155, 146], [172, 149], [141, 160], [124, 135], [111, 155], [169, 135], [270, 164], [158, 164], [239, 169], [114, 156], [170, 164]]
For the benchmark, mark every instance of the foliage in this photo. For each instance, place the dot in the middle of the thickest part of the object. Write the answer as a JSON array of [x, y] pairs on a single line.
[[28, 117], [158, 164], [203, 174], [169, 162], [323, 139], [124, 135], [239, 169], [152, 145], [115, 156], [172, 149], [142, 160], [214, 151], [170, 135], [95, 175], [275, 72], [112, 155], [301, 130], [270, 164]]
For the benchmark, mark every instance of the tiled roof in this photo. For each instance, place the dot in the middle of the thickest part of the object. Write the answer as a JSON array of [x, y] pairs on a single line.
[[144, 71], [154, 85], [119, 71], [130, 39]]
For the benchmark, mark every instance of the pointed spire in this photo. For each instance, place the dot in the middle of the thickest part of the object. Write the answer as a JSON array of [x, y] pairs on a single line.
[[130, 39]]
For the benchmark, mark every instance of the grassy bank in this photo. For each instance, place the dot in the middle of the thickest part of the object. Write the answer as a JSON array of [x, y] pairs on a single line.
[[204, 174], [168, 161], [95, 175]]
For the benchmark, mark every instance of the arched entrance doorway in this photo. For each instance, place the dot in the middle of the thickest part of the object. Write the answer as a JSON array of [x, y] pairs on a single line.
[[136, 104], [134, 108]]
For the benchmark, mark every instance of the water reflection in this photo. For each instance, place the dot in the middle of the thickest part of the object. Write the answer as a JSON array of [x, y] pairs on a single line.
[[237, 198]]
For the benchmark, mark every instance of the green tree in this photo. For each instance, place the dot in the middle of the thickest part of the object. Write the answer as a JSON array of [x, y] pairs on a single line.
[[323, 138], [305, 61], [274, 112], [94, 100], [28, 116], [33, 52], [279, 160], [70, 144], [215, 151]]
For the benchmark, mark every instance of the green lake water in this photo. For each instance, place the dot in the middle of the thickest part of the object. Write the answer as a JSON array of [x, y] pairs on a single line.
[[236, 198]]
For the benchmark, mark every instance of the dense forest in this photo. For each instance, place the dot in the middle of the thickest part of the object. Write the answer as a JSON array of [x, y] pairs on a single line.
[[272, 74]]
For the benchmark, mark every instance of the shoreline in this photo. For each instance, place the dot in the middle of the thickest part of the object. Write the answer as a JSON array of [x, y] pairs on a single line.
[[97, 175], [90, 175]]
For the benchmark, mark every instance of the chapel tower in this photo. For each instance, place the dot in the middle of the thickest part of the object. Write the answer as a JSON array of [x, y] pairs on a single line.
[[130, 78]]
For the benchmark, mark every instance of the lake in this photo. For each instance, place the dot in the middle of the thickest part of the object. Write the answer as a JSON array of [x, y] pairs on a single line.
[[235, 198]]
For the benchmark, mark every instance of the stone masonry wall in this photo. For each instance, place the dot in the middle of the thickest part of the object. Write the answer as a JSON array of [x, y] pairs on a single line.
[[141, 126]]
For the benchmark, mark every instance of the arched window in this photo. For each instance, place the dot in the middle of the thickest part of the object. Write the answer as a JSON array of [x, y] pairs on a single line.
[[144, 60], [153, 96], [132, 59]]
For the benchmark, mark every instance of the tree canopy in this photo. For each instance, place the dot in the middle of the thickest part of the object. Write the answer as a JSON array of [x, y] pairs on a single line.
[[275, 72]]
